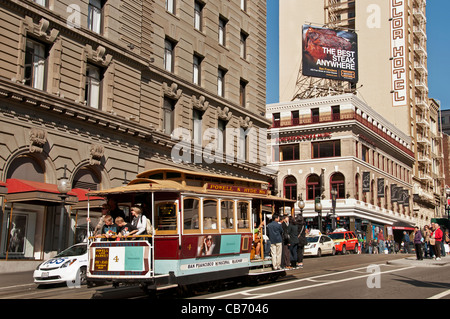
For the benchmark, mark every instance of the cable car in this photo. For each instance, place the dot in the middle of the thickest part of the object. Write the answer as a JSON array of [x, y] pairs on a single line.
[[205, 229]]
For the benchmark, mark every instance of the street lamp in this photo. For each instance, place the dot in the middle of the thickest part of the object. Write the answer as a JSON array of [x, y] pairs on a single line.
[[301, 204], [333, 205], [318, 209], [63, 188]]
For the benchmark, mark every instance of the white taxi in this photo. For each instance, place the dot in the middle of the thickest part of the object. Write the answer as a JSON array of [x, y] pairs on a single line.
[[318, 245], [68, 266]]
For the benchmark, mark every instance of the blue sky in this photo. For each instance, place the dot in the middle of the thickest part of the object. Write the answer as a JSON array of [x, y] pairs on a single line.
[[438, 47]]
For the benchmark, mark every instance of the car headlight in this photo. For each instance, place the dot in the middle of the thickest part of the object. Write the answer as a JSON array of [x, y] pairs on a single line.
[[37, 268], [68, 263], [313, 245]]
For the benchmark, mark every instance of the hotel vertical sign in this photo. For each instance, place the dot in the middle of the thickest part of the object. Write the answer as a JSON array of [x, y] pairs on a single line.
[[398, 52]]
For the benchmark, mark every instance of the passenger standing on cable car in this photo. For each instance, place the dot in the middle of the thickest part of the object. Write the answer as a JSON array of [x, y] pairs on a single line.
[[139, 220], [275, 233]]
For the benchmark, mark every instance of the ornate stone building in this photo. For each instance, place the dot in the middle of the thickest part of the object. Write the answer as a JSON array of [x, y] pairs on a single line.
[[107, 88]]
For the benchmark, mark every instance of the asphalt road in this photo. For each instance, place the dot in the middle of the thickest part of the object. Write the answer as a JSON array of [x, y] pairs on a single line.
[[329, 277]]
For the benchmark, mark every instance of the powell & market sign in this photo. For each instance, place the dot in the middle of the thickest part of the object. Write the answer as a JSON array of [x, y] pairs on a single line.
[[238, 189]]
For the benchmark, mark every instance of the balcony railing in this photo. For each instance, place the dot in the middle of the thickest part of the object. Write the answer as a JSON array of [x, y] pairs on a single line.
[[327, 118]]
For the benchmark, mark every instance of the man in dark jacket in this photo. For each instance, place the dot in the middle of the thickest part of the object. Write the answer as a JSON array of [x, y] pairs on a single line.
[[275, 233]]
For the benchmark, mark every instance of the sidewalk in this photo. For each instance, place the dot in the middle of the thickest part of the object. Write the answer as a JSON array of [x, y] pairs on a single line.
[[426, 262]]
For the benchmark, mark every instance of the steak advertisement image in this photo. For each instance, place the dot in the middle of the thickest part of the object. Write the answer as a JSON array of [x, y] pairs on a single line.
[[330, 54]]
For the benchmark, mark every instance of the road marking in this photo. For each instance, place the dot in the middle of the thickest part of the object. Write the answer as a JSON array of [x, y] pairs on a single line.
[[16, 286], [251, 291], [441, 295]]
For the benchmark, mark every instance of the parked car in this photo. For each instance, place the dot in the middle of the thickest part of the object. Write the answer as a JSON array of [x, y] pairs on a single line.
[[319, 245], [344, 241], [68, 266]]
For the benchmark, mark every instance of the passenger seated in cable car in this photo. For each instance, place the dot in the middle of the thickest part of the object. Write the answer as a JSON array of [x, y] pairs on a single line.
[[125, 229]]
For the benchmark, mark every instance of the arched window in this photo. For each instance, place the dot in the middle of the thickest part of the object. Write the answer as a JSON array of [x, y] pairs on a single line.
[[337, 182], [27, 168], [85, 178], [313, 186], [290, 187]]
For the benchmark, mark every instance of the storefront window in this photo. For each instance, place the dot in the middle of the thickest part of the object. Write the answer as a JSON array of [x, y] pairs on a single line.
[[22, 232]]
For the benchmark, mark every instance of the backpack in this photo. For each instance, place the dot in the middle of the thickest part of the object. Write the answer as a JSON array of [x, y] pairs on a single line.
[[148, 226]]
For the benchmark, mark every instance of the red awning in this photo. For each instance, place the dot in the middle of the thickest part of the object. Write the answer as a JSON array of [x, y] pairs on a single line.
[[22, 190]]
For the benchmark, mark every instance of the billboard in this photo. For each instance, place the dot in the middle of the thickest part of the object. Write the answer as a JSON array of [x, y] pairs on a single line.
[[329, 54]]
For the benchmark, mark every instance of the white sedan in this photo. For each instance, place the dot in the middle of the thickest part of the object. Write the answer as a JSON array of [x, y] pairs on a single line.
[[319, 245], [68, 266]]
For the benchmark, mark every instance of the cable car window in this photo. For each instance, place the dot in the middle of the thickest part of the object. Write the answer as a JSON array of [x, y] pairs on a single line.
[[166, 216], [227, 214], [243, 215], [191, 213], [209, 214]]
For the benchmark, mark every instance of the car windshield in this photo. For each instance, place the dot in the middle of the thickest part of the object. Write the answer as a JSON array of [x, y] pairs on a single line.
[[75, 250], [337, 236], [312, 239]]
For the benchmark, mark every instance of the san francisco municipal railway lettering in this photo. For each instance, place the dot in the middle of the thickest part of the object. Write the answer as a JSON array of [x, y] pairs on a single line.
[[213, 263]]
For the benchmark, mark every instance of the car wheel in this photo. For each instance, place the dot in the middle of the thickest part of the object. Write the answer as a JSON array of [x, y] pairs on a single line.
[[319, 253], [355, 251], [82, 274], [344, 250], [333, 251]]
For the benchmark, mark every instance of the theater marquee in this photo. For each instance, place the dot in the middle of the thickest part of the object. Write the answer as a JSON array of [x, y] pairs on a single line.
[[398, 52]]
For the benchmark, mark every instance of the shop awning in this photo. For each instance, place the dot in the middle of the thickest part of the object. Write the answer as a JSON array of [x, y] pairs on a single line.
[[94, 201], [3, 188], [402, 226], [20, 190]]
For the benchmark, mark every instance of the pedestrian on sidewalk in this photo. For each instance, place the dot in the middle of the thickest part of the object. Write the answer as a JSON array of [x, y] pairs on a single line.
[[293, 241], [285, 255], [437, 236], [275, 233], [302, 242], [418, 240], [426, 243], [406, 242]]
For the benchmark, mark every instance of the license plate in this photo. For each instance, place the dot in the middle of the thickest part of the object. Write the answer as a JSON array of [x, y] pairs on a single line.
[[44, 274]]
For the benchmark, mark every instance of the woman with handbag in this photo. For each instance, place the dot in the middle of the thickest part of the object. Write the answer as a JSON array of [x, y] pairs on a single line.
[[418, 240]]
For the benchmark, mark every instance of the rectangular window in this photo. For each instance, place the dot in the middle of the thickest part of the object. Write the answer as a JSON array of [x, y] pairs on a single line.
[[242, 94], [198, 15], [315, 116], [244, 5], [210, 214], [191, 213], [290, 152], [197, 69], [221, 82], [227, 214], [326, 149], [168, 116], [169, 55], [170, 6], [35, 64], [221, 147], [95, 16], [92, 90], [41, 2], [197, 127], [243, 215], [365, 153], [222, 31], [243, 45]]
